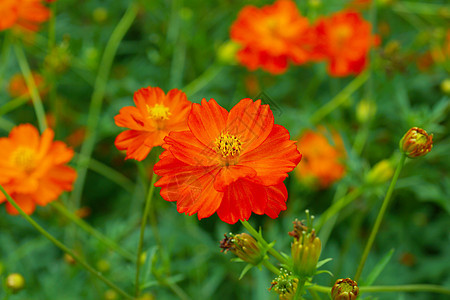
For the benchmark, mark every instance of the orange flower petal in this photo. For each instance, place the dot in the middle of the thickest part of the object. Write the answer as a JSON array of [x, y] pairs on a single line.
[[251, 122], [207, 121], [25, 135], [276, 200], [230, 174], [135, 143], [131, 117], [25, 203]]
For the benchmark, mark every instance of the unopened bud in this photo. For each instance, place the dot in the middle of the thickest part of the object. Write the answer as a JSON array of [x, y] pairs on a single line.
[[416, 142], [305, 253], [365, 110], [285, 285], [345, 289], [380, 172], [146, 296], [110, 295], [243, 246], [445, 86], [103, 265], [15, 282], [226, 53]]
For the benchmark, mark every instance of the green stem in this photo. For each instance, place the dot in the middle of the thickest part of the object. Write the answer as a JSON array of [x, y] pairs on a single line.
[[271, 267], [63, 247], [148, 204], [89, 229], [340, 98], [300, 289], [201, 81], [260, 239], [337, 206], [380, 216], [97, 99], [34, 93], [13, 104], [406, 288], [4, 56]]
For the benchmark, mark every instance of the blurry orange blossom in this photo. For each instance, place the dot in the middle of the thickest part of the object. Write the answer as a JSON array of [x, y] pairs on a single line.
[[153, 117], [18, 86], [322, 161], [233, 163], [33, 168], [344, 40], [25, 14], [272, 36]]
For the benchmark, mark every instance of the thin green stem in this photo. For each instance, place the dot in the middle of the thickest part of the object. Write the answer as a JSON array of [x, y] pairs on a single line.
[[34, 93], [337, 206], [300, 289], [201, 81], [63, 247], [148, 204], [13, 104], [406, 288], [380, 216], [92, 231], [4, 56], [260, 239], [340, 98], [97, 99], [320, 288], [271, 267]]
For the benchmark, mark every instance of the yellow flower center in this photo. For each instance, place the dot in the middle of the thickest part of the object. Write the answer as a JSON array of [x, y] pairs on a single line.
[[158, 112], [228, 145], [24, 158]]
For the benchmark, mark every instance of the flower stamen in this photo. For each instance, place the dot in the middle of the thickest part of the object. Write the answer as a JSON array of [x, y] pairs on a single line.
[[158, 112], [228, 145], [24, 158]]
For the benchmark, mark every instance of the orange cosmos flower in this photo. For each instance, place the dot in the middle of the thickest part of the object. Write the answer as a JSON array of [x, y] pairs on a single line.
[[322, 162], [33, 168], [155, 115], [26, 14], [232, 163], [18, 86], [344, 40], [272, 36]]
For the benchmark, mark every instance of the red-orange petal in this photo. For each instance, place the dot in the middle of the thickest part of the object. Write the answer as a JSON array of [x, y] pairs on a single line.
[[135, 142], [25, 135], [276, 200], [251, 122], [230, 174], [207, 121], [25, 203]]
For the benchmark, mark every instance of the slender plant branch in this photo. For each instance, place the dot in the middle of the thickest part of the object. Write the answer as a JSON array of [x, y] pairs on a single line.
[[202, 80], [266, 263], [391, 288], [380, 216], [263, 242], [148, 204], [34, 93], [97, 99], [92, 231], [64, 248]]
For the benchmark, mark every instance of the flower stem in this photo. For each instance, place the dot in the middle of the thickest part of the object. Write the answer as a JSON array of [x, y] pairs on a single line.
[[340, 98], [201, 81], [63, 247], [4, 56], [92, 231], [148, 203], [271, 267], [35, 97], [97, 99], [260, 239], [300, 289], [13, 104], [380, 216], [391, 288]]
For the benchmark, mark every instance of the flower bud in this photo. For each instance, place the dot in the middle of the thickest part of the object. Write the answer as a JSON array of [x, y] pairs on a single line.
[[226, 53], [445, 86], [15, 282], [365, 110], [380, 172], [299, 228], [416, 142], [345, 289], [305, 253], [285, 285], [243, 246], [110, 295], [146, 296]]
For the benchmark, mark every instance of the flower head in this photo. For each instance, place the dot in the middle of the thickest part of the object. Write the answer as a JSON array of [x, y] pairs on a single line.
[[153, 117], [345, 289], [25, 14], [33, 168], [232, 163], [243, 246], [344, 41], [272, 36], [416, 142], [322, 161], [285, 285], [15, 282], [305, 252]]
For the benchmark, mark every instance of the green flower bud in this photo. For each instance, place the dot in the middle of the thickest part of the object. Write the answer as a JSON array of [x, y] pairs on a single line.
[[285, 285], [110, 295], [15, 282], [305, 253], [416, 142], [243, 246], [345, 289], [380, 172]]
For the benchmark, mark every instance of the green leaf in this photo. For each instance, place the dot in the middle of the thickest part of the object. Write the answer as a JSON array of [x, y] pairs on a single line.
[[379, 268], [324, 271], [322, 262], [245, 270]]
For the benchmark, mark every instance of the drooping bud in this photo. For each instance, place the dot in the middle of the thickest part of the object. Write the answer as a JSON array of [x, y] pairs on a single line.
[[416, 142], [285, 285], [305, 253], [243, 246], [345, 289], [15, 282]]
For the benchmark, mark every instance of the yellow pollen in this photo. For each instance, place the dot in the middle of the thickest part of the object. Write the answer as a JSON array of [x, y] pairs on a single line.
[[24, 158], [158, 112], [228, 145]]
